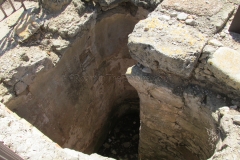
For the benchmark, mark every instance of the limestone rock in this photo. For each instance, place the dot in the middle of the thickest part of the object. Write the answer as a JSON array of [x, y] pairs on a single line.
[[81, 8], [162, 114], [147, 70], [54, 5], [215, 42], [69, 25], [197, 7], [235, 1], [225, 67], [60, 45], [182, 16], [173, 14], [190, 22], [223, 110], [236, 119], [109, 4], [24, 134], [207, 50], [220, 19], [28, 25], [165, 45], [20, 87]]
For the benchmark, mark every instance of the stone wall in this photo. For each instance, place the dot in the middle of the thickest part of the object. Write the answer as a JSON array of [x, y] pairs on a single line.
[[186, 73]]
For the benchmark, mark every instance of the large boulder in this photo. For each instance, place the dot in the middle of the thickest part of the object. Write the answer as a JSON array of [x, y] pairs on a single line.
[[160, 42]]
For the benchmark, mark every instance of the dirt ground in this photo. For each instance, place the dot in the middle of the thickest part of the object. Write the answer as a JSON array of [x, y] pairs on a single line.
[[6, 29]]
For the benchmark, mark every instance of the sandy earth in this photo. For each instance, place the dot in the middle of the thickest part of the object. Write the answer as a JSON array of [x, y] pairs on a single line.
[[6, 28]]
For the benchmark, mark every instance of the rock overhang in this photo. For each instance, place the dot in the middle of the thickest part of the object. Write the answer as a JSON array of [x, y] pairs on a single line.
[[166, 44]]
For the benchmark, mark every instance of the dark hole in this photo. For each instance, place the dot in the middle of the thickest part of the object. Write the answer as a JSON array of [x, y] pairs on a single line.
[[235, 26], [122, 141]]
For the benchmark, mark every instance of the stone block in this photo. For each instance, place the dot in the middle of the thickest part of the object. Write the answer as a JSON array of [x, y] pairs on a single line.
[[220, 19], [55, 5], [224, 64], [172, 48], [236, 119], [197, 7]]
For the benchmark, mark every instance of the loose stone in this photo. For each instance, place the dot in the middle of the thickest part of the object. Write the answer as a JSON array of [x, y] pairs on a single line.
[[182, 16], [236, 119], [190, 22], [147, 70]]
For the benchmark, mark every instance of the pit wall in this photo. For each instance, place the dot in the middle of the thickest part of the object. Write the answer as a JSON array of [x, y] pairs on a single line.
[[187, 81], [75, 101], [176, 122], [29, 143]]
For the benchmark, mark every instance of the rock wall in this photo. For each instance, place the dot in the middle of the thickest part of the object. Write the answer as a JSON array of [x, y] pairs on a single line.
[[184, 76], [176, 120], [76, 101], [29, 143]]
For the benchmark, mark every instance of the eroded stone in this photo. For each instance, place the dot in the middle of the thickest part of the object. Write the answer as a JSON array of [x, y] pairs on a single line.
[[197, 7], [225, 67], [165, 45], [28, 25]]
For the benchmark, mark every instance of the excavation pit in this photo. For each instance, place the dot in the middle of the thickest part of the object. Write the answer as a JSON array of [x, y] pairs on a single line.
[[77, 102], [74, 102]]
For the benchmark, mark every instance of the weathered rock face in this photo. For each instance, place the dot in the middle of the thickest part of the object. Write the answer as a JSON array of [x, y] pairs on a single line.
[[54, 5], [75, 102], [224, 66], [175, 121], [165, 44], [30, 143], [180, 117], [109, 4]]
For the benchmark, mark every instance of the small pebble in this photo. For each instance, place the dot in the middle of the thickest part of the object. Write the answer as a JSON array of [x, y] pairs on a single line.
[[222, 34], [215, 42], [182, 16], [236, 119], [114, 152], [190, 22], [106, 145], [223, 110], [190, 17], [126, 144], [173, 14], [146, 70], [170, 22], [165, 17]]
